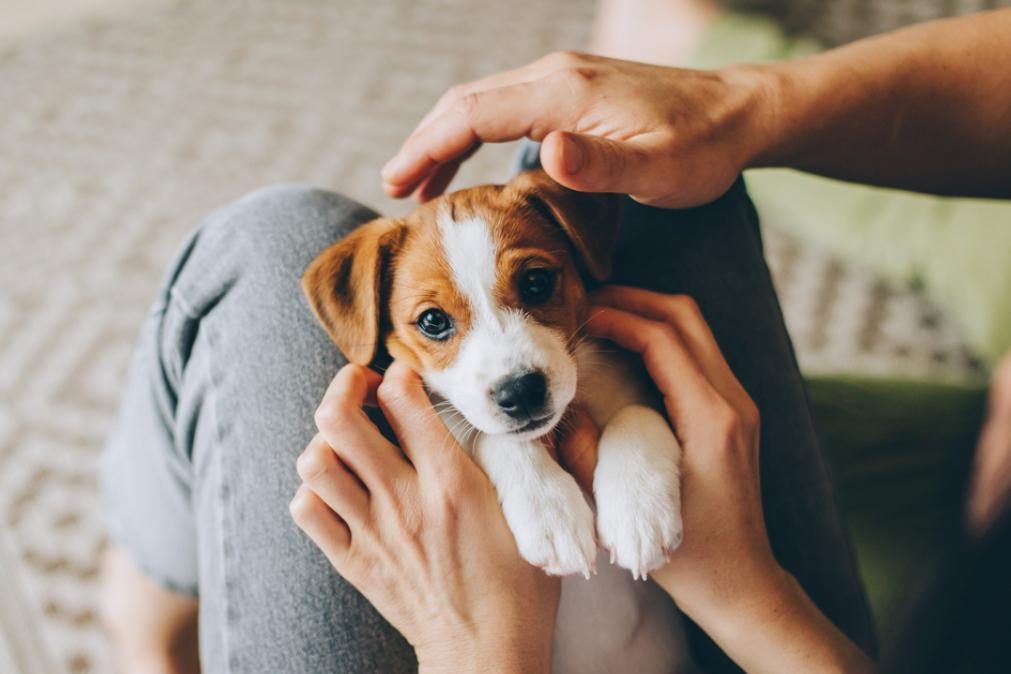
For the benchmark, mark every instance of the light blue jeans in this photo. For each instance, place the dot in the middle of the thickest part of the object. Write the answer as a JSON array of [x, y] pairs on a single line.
[[200, 468]]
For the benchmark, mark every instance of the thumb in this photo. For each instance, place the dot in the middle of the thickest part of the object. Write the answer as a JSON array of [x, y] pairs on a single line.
[[423, 436], [594, 164]]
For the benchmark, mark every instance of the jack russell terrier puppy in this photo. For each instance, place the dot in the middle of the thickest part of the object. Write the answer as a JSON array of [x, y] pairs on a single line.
[[483, 292]]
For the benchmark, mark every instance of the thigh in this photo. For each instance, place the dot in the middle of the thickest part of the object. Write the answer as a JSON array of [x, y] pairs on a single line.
[[250, 364]]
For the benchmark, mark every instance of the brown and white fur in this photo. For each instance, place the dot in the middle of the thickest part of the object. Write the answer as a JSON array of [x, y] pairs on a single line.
[[475, 258]]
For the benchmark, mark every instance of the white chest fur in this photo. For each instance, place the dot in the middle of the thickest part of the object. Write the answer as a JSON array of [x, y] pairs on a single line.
[[610, 622]]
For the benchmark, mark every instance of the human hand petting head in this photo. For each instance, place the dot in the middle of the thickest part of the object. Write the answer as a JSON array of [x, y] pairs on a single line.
[[665, 136], [419, 531], [673, 137]]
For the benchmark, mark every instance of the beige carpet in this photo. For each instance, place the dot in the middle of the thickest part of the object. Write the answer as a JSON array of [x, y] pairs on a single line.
[[116, 135]]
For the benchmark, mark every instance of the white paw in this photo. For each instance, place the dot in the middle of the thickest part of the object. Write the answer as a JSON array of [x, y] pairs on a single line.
[[553, 525], [637, 488]]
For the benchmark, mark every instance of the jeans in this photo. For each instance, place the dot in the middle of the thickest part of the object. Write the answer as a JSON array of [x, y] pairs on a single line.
[[219, 402]]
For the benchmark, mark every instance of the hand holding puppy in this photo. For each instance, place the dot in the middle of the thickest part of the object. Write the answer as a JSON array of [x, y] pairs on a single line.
[[726, 550], [726, 547], [419, 530], [724, 575]]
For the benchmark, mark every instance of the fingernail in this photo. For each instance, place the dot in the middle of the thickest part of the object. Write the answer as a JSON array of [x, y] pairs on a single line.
[[572, 155]]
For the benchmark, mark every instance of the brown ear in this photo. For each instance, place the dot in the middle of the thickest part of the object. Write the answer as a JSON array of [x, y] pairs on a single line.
[[589, 220], [345, 285]]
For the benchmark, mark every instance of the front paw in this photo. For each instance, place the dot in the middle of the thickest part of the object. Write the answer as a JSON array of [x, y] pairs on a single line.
[[637, 488], [553, 525]]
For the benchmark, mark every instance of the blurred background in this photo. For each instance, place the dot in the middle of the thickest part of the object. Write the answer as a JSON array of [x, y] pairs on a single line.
[[122, 122]]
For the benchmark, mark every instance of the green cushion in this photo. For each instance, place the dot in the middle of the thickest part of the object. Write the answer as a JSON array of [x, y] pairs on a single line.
[[957, 250], [900, 452]]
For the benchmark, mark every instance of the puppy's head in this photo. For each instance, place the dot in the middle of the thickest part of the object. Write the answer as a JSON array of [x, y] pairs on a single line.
[[482, 291]]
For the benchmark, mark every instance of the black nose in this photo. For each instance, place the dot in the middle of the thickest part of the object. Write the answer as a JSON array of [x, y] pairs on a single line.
[[521, 396]]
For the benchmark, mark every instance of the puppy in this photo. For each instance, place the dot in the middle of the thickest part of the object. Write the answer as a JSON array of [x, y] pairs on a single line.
[[483, 292]]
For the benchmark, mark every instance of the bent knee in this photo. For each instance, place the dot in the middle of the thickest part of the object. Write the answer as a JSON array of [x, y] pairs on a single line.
[[283, 225], [285, 199], [246, 260]]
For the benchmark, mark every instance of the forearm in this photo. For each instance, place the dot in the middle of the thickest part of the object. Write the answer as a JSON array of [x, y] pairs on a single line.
[[787, 633], [765, 622], [927, 108]]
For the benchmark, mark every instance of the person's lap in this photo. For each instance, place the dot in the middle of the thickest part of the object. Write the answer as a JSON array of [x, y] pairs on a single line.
[[231, 366]]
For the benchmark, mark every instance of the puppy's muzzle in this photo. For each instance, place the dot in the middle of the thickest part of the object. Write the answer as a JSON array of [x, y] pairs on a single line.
[[523, 397]]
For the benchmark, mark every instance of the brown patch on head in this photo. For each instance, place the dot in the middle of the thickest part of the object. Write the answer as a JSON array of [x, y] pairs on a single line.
[[542, 225], [589, 221], [424, 281], [529, 244], [376, 283], [537, 224]]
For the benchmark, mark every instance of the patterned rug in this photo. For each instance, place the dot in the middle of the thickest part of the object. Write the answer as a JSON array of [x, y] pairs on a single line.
[[117, 135]]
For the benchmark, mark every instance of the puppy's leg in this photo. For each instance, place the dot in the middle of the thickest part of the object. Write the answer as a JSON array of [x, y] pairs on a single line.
[[638, 490], [545, 508]]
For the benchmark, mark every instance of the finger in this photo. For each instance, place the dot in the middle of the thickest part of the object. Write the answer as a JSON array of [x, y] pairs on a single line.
[[688, 394], [577, 446], [423, 436], [373, 379], [348, 430], [322, 525], [683, 314], [680, 311], [321, 469], [524, 73], [436, 183], [355, 384], [589, 163], [494, 116]]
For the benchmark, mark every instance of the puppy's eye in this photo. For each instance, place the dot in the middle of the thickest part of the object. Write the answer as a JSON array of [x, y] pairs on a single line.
[[435, 324], [536, 285]]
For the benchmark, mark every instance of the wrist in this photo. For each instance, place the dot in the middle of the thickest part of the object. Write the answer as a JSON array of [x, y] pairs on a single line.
[[497, 653], [770, 600], [763, 89], [485, 661], [466, 663], [751, 620], [728, 599]]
